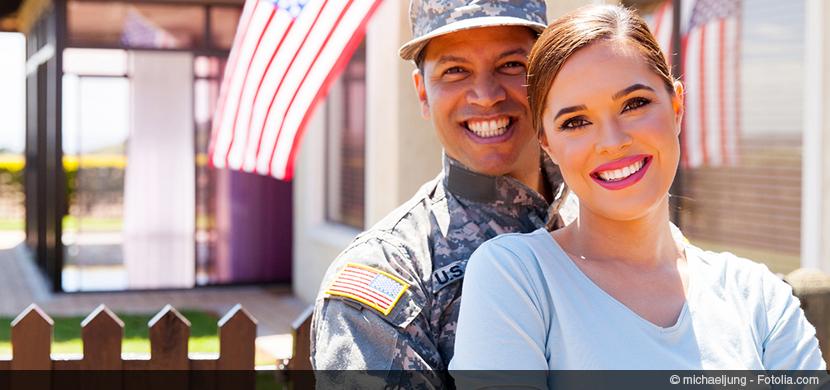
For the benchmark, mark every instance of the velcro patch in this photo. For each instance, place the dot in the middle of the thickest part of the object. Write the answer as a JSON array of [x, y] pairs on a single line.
[[369, 286], [448, 274]]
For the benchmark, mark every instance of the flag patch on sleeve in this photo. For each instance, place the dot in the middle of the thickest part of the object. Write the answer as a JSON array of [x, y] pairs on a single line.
[[372, 287]]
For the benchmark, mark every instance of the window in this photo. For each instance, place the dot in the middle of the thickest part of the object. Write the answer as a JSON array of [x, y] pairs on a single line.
[[750, 203], [345, 144]]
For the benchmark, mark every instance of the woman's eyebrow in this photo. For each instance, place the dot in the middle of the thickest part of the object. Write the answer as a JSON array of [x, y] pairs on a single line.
[[568, 110], [630, 89]]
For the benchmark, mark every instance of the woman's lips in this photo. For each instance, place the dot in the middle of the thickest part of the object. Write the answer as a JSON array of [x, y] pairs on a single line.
[[622, 173]]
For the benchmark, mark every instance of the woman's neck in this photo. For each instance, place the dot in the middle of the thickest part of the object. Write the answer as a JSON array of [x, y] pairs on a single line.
[[644, 242]]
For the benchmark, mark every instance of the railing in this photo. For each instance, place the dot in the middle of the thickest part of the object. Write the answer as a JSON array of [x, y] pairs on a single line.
[[102, 332]]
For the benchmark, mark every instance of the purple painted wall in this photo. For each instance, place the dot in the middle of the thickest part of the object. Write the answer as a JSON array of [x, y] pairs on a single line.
[[254, 227]]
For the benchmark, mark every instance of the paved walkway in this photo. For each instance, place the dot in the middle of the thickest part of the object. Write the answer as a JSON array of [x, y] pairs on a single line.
[[21, 284]]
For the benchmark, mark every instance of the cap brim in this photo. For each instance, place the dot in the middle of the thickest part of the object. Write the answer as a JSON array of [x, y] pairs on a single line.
[[410, 49]]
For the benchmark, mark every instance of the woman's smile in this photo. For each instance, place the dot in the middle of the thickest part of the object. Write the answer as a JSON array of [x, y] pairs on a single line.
[[622, 173]]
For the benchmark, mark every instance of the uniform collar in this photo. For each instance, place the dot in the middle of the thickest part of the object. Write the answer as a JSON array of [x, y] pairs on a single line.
[[465, 183]]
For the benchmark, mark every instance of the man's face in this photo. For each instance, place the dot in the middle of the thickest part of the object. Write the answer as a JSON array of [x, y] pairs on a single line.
[[473, 90]]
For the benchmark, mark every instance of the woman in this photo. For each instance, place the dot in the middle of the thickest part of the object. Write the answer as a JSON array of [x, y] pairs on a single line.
[[618, 288]]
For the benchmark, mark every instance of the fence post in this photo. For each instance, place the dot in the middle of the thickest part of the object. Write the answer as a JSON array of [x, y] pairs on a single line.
[[32, 340], [169, 332], [102, 332], [237, 337], [812, 287]]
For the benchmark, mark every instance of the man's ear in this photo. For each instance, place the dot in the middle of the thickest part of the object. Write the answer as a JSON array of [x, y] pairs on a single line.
[[677, 105], [421, 90]]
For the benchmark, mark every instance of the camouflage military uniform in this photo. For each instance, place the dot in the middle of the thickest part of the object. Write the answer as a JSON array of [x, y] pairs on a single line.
[[426, 243]]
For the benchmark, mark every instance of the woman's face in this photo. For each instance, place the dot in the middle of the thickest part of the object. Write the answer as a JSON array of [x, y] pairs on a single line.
[[612, 127]]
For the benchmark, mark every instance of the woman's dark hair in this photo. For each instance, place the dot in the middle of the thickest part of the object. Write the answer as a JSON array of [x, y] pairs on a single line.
[[578, 29]]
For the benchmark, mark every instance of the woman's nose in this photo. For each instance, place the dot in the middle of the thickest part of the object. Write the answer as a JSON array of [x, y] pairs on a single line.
[[612, 138]]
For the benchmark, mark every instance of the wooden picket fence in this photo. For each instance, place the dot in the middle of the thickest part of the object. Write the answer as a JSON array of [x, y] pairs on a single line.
[[102, 332]]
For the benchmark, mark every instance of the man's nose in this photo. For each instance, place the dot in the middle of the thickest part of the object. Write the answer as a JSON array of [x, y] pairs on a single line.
[[487, 91], [612, 138]]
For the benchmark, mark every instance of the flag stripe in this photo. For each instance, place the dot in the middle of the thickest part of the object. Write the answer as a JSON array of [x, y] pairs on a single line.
[[280, 67], [361, 293], [712, 96], [685, 128], [711, 59], [310, 69], [230, 68], [268, 129], [337, 68], [724, 128], [702, 90], [358, 286], [247, 127], [284, 75], [236, 78], [242, 90], [345, 285]]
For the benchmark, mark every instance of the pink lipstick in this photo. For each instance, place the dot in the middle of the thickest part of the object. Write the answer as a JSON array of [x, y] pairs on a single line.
[[610, 175]]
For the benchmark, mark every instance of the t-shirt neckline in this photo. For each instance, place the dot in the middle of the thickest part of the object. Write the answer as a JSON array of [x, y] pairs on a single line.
[[684, 311]]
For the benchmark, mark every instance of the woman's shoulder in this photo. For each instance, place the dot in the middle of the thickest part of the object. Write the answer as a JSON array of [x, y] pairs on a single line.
[[518, 245], [513, 250], [746, 276]]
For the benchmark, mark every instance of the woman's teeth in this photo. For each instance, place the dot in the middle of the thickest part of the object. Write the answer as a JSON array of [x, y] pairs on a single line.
[[491, 128], [622, 173]]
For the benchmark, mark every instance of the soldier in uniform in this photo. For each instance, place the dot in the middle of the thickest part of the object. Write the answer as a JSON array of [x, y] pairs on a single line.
[[389, 303]]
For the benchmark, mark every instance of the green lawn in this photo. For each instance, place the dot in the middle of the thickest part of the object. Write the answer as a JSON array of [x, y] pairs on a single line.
[[11, 224], [70, 223], [67, 333]]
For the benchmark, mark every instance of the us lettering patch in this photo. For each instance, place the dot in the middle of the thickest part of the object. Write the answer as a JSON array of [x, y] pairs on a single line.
[[446, 275], [372, 287]]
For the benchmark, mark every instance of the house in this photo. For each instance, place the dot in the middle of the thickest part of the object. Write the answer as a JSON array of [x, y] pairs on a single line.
[[366, 151]]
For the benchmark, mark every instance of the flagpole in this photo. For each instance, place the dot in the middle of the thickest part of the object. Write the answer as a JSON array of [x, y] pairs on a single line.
[[676, 71]]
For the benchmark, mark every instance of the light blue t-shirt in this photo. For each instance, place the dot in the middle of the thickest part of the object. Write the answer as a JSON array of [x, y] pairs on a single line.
[[526, 306]]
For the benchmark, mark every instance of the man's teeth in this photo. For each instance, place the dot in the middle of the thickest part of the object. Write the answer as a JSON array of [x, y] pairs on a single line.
[[491, 128], [622, 173]]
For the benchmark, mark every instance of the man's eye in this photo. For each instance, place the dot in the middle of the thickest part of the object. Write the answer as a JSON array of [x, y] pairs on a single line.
[[635, 103], [574, 123], [514, 67], [454, 70]]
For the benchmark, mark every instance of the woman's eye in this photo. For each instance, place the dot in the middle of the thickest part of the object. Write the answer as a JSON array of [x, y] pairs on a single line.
[[635, 103], [574, 123]]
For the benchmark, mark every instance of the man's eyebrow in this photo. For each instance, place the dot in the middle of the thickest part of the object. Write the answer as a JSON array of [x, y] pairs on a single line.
[[451, 58], [519, 51], [568, 110], [626, 91]]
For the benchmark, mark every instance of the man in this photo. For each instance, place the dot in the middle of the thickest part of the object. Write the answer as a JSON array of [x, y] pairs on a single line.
[[390, 301]]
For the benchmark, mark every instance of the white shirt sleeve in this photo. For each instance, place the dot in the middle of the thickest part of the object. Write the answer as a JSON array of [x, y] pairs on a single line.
[[791, 343], [502, 322]]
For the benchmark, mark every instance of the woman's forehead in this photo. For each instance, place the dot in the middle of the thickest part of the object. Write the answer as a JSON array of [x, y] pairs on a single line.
[[607, 60]]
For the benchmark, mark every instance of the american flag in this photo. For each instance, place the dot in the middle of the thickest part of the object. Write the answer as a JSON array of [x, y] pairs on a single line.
[[141, 32], [369, 286], [660, 24], [710, 50], [285, 55]]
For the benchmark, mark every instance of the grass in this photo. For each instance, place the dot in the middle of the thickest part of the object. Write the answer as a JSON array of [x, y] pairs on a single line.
[[11, 224], [67, 333]]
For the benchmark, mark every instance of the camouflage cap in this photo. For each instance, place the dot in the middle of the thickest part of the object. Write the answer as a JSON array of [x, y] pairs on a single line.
[[432, 18]]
